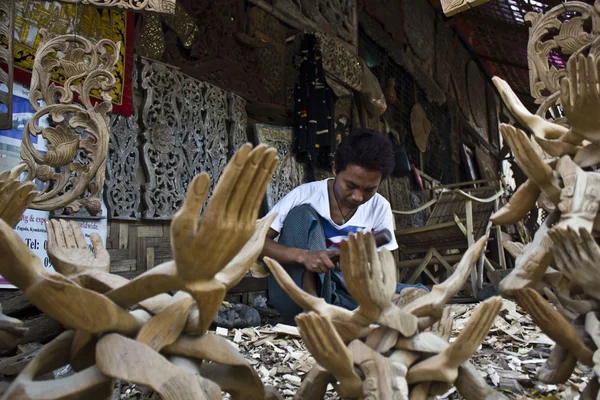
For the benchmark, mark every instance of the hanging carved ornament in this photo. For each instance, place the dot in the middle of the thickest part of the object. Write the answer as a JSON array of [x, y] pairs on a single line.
[[289, 173], [419, 28], [420, 126], [122, 192], [189, 127], [72, 169], [453, 7], [158, 6], [7, 20], [339, 62], [477, 101], [550, 36]]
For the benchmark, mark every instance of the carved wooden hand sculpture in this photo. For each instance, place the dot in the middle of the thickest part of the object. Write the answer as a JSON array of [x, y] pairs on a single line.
[[472, 386], [55, 294], [432, 304], [384, 379], [553, 324], [530, 162], [15, 196], [11, 330], [328, 349], [539, 126], [578, 257], [444, 366], [592, 327], [87, 384], [69, 252], [519, 204], [580, 96], [350, 325], [120, 357], [558, 367], [372, 283]]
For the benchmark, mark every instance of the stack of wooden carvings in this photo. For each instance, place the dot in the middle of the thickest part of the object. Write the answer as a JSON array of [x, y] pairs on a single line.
[[135, 330], [560, 159]]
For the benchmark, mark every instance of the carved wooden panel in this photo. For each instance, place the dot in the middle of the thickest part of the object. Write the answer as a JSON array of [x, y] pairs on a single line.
[[7, 19], [159, 6], [289, 173], [419, 28], [476, 84], [121, 191], [549, 34], [453, 7], [72, 169], [336, 18], [339, 62], [189, 127], [218, 53]]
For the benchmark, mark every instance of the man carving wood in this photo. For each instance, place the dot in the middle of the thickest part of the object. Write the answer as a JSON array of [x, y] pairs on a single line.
[[314, 218]]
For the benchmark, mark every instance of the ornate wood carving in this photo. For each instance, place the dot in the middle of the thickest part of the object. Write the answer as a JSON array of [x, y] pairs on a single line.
[[336, 18], [219, 53], [477, 101], [72, 170], [122, 192], [189, 127], [289, 173], [453, 7], [419, 28], [339, 62], [159, 6], [549, 34], [7, 18]]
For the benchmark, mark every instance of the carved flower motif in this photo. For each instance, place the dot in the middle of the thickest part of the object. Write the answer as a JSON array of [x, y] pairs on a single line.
[[62, 146], [44, 173], [73, 63], [163, 138]]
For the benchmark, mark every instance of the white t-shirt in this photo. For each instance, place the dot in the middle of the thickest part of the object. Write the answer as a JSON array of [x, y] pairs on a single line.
[[375, 215]]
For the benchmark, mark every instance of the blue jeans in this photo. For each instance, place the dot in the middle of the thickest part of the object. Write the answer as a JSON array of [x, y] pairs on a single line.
[[302, 229]]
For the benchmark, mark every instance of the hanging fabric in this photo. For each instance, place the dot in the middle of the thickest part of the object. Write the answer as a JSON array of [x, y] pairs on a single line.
[[314, 106]]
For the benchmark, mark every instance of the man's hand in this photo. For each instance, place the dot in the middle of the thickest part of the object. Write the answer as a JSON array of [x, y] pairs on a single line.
[[319, 261]]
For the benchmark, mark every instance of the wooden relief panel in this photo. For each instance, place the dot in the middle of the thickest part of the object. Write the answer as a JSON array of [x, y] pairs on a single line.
[[453, 7], [477, 101], [339, 62], [336, 18], [7, 15], [189, 126], [122, 192], [419, 28], [159, 6], [72, 170], [549, 34], [289, 173]]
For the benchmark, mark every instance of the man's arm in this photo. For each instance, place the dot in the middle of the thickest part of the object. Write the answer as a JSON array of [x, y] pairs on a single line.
[[314, 260]]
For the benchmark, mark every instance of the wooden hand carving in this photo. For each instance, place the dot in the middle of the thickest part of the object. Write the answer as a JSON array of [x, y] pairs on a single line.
[[15, 196], [198, 246], [349, 324], [87, 384], [557, 148], [539, 126], [592, 327], [314, 384], [384, 379], [530, 162], [578, 257], [553, 324], [558, 367], [120, 357], [519, 204], [372, 283], [580, 96], [55, 294], [69, 252], [164, 328], [227, 367], [472, 386], [328, 349], [11, 330], [532, 263], [426, 342], [444, 366], [432, 304]]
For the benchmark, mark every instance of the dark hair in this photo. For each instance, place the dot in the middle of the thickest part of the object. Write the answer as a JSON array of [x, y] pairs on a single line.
[[367, 148]]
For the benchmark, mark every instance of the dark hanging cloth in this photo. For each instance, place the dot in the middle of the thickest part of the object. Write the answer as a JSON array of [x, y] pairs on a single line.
[[314, 106]]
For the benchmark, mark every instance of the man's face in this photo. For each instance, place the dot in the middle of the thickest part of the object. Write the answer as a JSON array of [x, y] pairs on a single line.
[[356, 185]]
